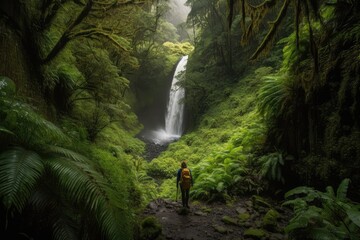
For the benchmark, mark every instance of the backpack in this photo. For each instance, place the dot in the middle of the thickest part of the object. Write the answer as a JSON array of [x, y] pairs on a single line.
[[185, 180]]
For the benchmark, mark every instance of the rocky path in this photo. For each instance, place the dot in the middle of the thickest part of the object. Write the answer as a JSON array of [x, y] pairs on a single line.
[[247, 218]]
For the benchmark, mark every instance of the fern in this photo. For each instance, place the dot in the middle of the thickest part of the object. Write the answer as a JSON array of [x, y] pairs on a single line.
[[20, 170], [335, 218], [272, 167], [58, 183], [274, 95]]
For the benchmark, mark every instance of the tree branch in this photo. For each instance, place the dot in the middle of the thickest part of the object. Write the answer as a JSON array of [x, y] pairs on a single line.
[[270, 35], [65, 37]]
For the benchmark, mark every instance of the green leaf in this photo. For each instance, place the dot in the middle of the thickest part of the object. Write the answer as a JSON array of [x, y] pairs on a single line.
[[330, 191], [20, 170], [354, 216], [299, 223], [342, 189], [298, 190]]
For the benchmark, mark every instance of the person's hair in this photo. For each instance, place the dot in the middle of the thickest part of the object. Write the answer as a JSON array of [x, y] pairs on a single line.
[[183, 165]]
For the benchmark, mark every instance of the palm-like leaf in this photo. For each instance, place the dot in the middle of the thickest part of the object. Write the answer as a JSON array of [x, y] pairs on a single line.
[[87, 188], [20, 170]]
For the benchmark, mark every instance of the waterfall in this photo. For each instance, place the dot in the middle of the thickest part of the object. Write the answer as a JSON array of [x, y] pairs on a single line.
[[175, 109], [174, 115]]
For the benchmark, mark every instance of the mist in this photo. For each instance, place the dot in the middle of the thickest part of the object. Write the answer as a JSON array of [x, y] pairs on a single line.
[[178, 12]]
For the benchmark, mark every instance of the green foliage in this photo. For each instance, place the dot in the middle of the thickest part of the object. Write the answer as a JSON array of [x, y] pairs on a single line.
[[222, 150], [228, 171], [163, 168], [7, 86], [45, 174], [168, 189], [274, 95], [179, 48], [272, 167], [150, 228], [323, 215], [16, 191], [29, 128]]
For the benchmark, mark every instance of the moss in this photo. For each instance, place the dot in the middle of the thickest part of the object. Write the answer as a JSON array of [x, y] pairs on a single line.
[[150, 228], [255, 233], [179, 48], [243, 217]]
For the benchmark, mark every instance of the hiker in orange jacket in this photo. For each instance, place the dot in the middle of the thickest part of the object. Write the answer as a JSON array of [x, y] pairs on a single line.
[[185, 179]]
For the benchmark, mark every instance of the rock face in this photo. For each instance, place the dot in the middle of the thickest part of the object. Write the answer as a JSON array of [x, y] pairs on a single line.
[[153, 150], [240, 220]]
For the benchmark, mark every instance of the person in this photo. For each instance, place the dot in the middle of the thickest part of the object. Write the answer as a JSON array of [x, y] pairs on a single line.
[[185, 180]]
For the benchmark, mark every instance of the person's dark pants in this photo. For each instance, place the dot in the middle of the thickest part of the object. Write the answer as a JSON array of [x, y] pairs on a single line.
[[185, 197]]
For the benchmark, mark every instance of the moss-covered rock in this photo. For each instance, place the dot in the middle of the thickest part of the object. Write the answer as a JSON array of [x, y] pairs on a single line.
[[269, 221], [221, 229], [229, 220], [7, 86], [243, 217], [255, 233], [206, 209], [150, 228]]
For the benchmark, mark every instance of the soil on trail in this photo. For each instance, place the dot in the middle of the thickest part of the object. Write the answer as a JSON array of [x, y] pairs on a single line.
[[242, 219]]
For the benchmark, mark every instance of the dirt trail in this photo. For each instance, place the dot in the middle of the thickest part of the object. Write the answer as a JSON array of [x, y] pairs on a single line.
[[219, 221]]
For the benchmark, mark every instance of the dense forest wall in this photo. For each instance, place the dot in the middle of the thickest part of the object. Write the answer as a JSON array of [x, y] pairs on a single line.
[[17, 65]]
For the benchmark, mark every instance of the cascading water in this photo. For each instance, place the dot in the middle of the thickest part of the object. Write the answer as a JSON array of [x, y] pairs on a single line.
[[175, 111]]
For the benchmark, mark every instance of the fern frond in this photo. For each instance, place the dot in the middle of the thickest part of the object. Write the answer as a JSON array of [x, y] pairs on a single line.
[[299, 190], [28, 126], [342, 189], [20, 171], [89, 189], [66, 153], [62, 230]]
